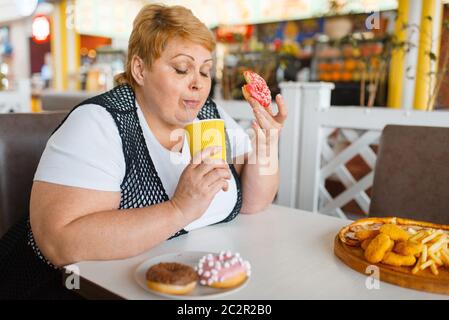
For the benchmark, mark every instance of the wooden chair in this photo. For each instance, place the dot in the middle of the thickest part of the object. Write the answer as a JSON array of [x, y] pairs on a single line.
[[411, 177]]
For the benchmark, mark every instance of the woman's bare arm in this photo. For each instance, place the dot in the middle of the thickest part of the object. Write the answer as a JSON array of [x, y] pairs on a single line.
[[260, 173], [73, 224], [259, 183]]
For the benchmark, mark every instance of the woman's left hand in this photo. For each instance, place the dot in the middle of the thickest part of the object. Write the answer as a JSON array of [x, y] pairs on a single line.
[[268, 126]]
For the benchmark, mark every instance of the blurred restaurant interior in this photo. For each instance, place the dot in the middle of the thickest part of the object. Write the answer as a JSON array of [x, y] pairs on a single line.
[[377, 55], [76, 47], [364, 149]]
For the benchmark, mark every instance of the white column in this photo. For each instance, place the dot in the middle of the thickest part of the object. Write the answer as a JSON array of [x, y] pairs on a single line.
[[314, 97], [290, 145], [411, 57], [20, 33]]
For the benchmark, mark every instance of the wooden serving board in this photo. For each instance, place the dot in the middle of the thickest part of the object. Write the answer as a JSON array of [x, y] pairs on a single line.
[[402, 276]]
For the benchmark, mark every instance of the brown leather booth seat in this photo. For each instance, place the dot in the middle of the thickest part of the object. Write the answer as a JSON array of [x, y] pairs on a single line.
[[23, 137], [63, 100], [411, 177]]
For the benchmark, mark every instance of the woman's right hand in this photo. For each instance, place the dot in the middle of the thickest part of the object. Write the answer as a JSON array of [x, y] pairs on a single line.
[[200, 181]]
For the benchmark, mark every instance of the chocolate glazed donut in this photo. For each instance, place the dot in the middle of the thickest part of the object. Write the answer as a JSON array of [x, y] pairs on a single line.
[[171, 278]]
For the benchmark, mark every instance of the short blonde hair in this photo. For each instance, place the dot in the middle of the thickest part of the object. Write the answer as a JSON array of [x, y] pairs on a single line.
[[153, 27]]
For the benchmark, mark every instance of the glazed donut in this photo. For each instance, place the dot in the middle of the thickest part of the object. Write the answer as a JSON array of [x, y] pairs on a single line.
[[257, 88], [223, 270], [171, 278]]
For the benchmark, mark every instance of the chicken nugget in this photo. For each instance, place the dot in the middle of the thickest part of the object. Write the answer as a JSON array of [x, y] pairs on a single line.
[[408, 248], [377, 248], [365, 234], [390, 248], [394, 232], [365, 243], [397, 260]]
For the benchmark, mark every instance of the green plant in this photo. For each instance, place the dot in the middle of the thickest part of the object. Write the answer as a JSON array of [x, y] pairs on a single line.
[[2, 86], [437, 77], [372, 75]]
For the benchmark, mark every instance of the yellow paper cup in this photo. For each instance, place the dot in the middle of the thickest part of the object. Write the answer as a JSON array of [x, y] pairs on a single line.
[[207, 133]]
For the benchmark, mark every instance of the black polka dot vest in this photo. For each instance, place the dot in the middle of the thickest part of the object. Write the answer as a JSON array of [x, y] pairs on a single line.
[[141, 186]]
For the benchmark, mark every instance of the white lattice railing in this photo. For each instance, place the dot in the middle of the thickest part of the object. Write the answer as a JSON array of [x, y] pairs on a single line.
[[334, 163], [310, 154]]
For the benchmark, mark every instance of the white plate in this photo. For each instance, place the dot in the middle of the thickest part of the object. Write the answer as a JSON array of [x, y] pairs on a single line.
[[190, 258]]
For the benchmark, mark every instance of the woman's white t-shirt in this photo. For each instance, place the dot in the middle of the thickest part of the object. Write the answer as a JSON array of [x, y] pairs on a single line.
[[86, 152]]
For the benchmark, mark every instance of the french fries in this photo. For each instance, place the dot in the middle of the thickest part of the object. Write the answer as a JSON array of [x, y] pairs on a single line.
[[431, 236], [435, 252], [420, 235], [445, 258]]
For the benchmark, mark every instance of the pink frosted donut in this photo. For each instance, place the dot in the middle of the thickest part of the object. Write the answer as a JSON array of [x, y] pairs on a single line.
[[223, 270]]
